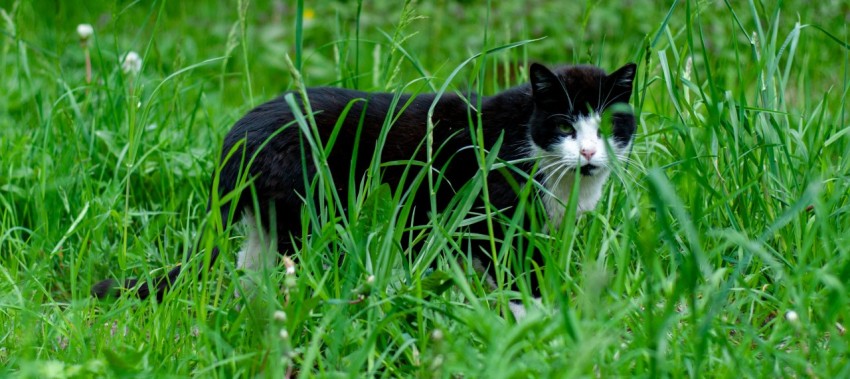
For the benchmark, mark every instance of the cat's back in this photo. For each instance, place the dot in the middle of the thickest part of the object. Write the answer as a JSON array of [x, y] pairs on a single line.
[[359, 112], [266, 118]]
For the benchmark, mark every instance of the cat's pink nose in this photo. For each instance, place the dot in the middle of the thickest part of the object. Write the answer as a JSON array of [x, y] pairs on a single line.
[[587, 153]]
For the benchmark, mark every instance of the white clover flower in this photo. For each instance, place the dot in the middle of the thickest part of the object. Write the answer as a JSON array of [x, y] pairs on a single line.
[[290, 266], [131, 63], [791, 316], [284, 334], [85, 31], [280, 316]]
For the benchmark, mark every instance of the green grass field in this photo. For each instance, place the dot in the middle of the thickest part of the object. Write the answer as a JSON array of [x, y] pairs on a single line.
[[721, 250]]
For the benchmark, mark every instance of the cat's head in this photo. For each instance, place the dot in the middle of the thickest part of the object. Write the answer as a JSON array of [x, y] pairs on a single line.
[[570, 104]]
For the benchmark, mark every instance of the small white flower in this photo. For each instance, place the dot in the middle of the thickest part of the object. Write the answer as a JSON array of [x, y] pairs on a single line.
[[284, 334], [791, 316], [370, 279], [280, 316], [131, 63], [290, 266], [85, 31]]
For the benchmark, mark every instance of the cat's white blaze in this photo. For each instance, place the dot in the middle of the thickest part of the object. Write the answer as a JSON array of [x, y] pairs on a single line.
[[587, 138]]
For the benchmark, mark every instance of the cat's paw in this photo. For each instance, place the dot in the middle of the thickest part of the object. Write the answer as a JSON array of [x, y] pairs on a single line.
[[520, 311]]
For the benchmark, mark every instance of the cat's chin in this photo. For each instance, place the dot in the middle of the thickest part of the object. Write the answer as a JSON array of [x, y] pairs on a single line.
[[589, 170]]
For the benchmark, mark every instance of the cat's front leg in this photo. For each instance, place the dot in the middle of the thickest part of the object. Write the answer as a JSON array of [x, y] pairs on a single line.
[[520, 310]]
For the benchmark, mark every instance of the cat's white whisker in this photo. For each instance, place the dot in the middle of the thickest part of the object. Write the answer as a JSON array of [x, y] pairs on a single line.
[[548, 167]]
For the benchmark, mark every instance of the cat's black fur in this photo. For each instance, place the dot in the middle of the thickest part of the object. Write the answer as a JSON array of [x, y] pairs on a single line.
[[514, 115]]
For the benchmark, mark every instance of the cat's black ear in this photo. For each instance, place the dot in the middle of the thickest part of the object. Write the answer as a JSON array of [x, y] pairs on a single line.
[[546, 88], [623, 77]]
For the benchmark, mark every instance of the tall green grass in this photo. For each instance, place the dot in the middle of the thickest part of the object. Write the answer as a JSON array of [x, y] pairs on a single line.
[[720, 249]]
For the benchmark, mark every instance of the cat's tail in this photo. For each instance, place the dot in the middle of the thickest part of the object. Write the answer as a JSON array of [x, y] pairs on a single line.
[[142, 289], [156, 286]]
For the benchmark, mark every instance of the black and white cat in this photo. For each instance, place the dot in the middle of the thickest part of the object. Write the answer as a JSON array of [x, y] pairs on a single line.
[[553, 122]]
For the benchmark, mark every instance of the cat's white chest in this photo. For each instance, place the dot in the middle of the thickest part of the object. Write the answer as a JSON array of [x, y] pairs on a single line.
[[559, 192]]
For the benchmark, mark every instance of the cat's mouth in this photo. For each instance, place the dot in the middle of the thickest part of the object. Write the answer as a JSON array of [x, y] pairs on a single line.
[[588, 170]]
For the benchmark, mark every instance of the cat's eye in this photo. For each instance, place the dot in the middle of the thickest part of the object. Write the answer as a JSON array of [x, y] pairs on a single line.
[[606, 125], [611, 116], [567, 128]]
